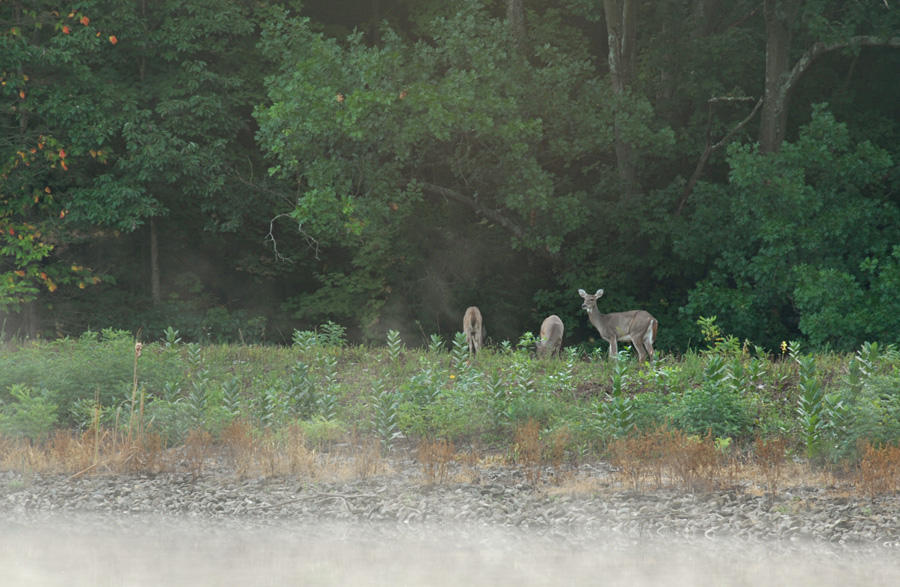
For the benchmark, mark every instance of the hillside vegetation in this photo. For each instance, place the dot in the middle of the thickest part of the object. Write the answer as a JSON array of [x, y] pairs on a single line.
[[682, 416]]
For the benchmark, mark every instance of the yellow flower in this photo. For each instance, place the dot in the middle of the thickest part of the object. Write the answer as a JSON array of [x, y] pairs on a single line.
[[783, 347]]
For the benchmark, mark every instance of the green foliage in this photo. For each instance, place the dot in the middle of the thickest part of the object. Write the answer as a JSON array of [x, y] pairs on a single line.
[[459, 353], [118, 112], [30, 415], [384, 406], [171, 337], [320, 431], [717, 342], [811, 408], [435, 344], [866, 408], [806, 225], [394, 345], [716, 406], [840, 309], [333, 334], [424, 394]]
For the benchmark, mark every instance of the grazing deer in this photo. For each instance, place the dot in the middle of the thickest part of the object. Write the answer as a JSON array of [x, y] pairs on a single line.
[[552, 330], [473, 327], [636, 326]]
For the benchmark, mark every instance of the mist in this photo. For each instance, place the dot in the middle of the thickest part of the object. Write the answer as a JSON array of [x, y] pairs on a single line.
[[137, 551]]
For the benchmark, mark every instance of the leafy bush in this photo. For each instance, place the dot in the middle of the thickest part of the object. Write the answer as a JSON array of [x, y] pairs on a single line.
[[717, 406], [829, 404], [28, 415], [869, 413]]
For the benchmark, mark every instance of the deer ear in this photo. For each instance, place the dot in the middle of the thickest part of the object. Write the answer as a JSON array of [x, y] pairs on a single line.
[[582, 293], [599, 293]]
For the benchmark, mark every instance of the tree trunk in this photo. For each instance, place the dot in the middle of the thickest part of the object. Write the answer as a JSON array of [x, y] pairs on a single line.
[[620, 32], [515, 16], [154, 264], [782, 75], [778, 15]]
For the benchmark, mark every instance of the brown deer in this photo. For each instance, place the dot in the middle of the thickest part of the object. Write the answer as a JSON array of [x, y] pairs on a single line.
[[552, 330], [636, 326], [473, 327]]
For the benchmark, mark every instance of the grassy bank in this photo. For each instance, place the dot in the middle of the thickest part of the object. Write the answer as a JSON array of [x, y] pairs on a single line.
[[687, 419]]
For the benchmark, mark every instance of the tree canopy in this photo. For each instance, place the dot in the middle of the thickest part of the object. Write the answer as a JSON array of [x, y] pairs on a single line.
[[237, 169]]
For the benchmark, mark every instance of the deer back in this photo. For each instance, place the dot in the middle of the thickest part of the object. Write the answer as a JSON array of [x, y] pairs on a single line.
[[552, 330]]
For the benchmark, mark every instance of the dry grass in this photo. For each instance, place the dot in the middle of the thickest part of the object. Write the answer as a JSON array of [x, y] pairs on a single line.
[[665, 454], [79, 454], [196, 449], [576, 485], [641, 456], [668, 457], [879, 469], [769, 455], [237, 439], [660, 458], [528, 450], [435, 457]]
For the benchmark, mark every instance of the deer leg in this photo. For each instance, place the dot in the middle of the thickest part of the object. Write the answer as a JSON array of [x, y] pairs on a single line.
[[639, 349], [648, 341], [613, 348]]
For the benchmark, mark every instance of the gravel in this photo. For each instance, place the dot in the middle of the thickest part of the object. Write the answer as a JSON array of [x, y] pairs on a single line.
[[484, 526], [497, 497]]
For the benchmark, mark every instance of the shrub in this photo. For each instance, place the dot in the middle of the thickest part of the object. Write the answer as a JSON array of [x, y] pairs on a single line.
[[29, 415], [717, 406]]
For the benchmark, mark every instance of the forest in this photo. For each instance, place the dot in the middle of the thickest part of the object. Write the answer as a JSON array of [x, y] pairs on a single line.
[[240, 170]]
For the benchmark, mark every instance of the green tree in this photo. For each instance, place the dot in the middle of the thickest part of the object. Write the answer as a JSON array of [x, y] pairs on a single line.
[[823, 26], [53, 134], [453, 134], [131, 115], [796, 228]]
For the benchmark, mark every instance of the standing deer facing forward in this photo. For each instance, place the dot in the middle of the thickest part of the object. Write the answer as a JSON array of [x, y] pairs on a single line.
[[552, 330], [473, 328], [636, 326]]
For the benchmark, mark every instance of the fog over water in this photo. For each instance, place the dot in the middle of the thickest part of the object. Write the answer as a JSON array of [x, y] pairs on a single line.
[[136, 551]]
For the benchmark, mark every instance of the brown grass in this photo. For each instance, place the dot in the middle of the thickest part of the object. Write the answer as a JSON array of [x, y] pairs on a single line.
[[879, 469], [528, 450], [769, 455], [659, 458], [435, 457], [237, 439], [196, 449], [665, 454]]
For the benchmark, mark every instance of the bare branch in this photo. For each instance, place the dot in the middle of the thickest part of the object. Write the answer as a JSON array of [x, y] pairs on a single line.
[[270, 237], [473, 203], [712, 148], [818, 49]]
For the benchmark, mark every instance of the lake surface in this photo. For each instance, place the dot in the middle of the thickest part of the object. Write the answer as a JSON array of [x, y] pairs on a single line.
[[49, 550]]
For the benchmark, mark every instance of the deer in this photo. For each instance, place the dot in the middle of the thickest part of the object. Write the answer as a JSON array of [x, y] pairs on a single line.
[[473, 327], [552, 330], [635, 326]]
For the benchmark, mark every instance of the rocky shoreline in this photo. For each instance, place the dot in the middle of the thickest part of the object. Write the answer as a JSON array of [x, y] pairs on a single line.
[[499, 497]]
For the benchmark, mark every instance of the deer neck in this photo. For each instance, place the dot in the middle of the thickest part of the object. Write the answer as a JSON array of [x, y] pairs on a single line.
[[600, 321]]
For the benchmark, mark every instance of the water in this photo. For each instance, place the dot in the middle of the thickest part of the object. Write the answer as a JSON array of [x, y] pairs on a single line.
[[143, 551]]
